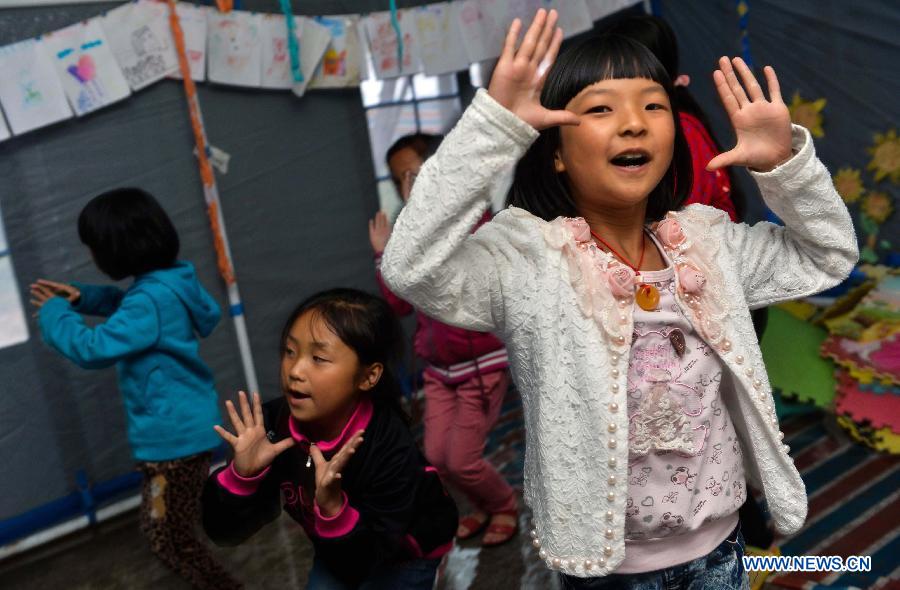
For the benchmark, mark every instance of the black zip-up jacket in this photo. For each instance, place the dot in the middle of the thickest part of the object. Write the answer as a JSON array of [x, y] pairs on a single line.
[[395, 507]]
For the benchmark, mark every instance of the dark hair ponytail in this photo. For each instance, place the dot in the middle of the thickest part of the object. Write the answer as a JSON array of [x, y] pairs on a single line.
[[366, 324]]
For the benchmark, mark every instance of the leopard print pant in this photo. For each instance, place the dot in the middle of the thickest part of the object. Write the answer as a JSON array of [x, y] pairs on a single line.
[[170, 513]]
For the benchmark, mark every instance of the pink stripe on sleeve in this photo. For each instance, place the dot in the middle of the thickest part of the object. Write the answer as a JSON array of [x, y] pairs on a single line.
[[238, 485], [338, 525]]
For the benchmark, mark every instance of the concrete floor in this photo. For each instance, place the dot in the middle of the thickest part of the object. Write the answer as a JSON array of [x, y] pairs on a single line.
[[114, 555]]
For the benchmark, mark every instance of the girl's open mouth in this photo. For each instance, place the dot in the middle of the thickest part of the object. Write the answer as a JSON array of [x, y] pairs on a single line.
[[631, 159], [298, 396]]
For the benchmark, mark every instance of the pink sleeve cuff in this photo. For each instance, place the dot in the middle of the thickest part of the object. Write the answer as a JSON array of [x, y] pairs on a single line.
[[338, 525], [238, 485]]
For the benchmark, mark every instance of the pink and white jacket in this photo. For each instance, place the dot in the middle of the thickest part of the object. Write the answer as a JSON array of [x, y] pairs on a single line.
[[533, 282]]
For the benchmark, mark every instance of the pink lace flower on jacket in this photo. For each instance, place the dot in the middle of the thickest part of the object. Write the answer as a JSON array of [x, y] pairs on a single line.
[[691, 280], [621, 281], [670, 233]]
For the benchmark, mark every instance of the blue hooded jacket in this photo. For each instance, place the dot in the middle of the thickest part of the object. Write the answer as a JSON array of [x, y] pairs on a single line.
[[151, 336]]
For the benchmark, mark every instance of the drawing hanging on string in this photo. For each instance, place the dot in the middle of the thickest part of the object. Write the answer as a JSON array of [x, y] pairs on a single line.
[[384, 46], [90, 76], [440, 39], [30, 92], [235, 48], [193, 27], [315, 39], [141, 40], [340, 66]]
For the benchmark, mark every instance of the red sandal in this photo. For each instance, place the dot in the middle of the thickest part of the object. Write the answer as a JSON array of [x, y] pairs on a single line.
[[472, 525], [503, 532]]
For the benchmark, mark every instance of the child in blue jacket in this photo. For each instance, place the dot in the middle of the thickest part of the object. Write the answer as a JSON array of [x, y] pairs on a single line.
[[150, 335]]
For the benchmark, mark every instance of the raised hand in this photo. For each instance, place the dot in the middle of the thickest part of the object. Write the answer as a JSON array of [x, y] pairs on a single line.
[[762, 127], [328, 474], [520, 73], [44, 289], [252, 450], [379, 231]]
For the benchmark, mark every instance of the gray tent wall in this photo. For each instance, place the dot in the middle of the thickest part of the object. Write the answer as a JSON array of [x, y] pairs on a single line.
[[300, 191], [296, 201]]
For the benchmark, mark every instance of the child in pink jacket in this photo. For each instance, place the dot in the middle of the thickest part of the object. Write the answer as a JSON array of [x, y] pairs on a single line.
[[465, 380]]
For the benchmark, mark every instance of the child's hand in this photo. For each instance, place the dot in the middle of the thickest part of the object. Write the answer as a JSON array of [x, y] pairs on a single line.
[[520, 74], [252, 450], [44, 289], [328, 474], [762, 127], [379, 231]]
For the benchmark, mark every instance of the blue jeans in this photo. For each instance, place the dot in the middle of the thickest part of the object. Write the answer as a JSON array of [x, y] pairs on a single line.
[[721, 569], [418, 574]]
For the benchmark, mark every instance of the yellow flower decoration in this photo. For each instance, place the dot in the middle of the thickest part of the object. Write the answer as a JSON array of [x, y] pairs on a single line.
[[877, 206], [886, 156], [808, 114], [848, 184]]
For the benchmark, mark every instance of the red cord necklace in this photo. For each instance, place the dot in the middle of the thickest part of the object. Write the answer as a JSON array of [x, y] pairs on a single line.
[[646, 295]]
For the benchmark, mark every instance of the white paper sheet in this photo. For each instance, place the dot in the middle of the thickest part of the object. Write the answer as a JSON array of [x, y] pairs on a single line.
[[383, 43], [276, 62], [193, 27], [141, 40], [314, 41], [440, 39], [30, 91], [90, 76], [340, 67], [484, 24], [234, 48]]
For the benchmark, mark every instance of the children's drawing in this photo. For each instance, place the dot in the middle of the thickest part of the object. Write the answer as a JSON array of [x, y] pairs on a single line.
[[30, 92], [141, 39], [276, 59], [440, 40], [315, 39], [235, 48], [340, 65], [383, 44], [483, 24], [193, 27], [90, 76]]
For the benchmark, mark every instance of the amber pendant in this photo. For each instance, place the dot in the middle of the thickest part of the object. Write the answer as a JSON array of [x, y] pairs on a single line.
[[647, 296]]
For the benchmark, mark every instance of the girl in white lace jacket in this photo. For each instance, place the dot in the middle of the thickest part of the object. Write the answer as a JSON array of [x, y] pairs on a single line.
[[603, 171]]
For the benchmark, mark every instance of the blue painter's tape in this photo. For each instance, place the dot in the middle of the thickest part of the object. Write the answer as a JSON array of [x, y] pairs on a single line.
[[236, 310]]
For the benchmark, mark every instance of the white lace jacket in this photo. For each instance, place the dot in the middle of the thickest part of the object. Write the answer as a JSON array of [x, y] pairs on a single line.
[[533, 284]]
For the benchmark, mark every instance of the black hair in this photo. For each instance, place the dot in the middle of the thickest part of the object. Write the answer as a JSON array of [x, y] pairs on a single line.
[[657, 36], [128, 233], [423, 144], [537, 187], [366, 324]]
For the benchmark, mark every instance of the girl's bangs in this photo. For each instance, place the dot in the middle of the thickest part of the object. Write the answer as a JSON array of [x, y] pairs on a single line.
[[609, 57]]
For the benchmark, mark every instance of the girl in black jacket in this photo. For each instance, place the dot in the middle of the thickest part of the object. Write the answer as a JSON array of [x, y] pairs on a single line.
[[336, 453]]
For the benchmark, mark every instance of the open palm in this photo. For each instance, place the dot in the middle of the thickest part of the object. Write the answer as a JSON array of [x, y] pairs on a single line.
[[520, 73], [328, 473], [762, 126], [252, 450]]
